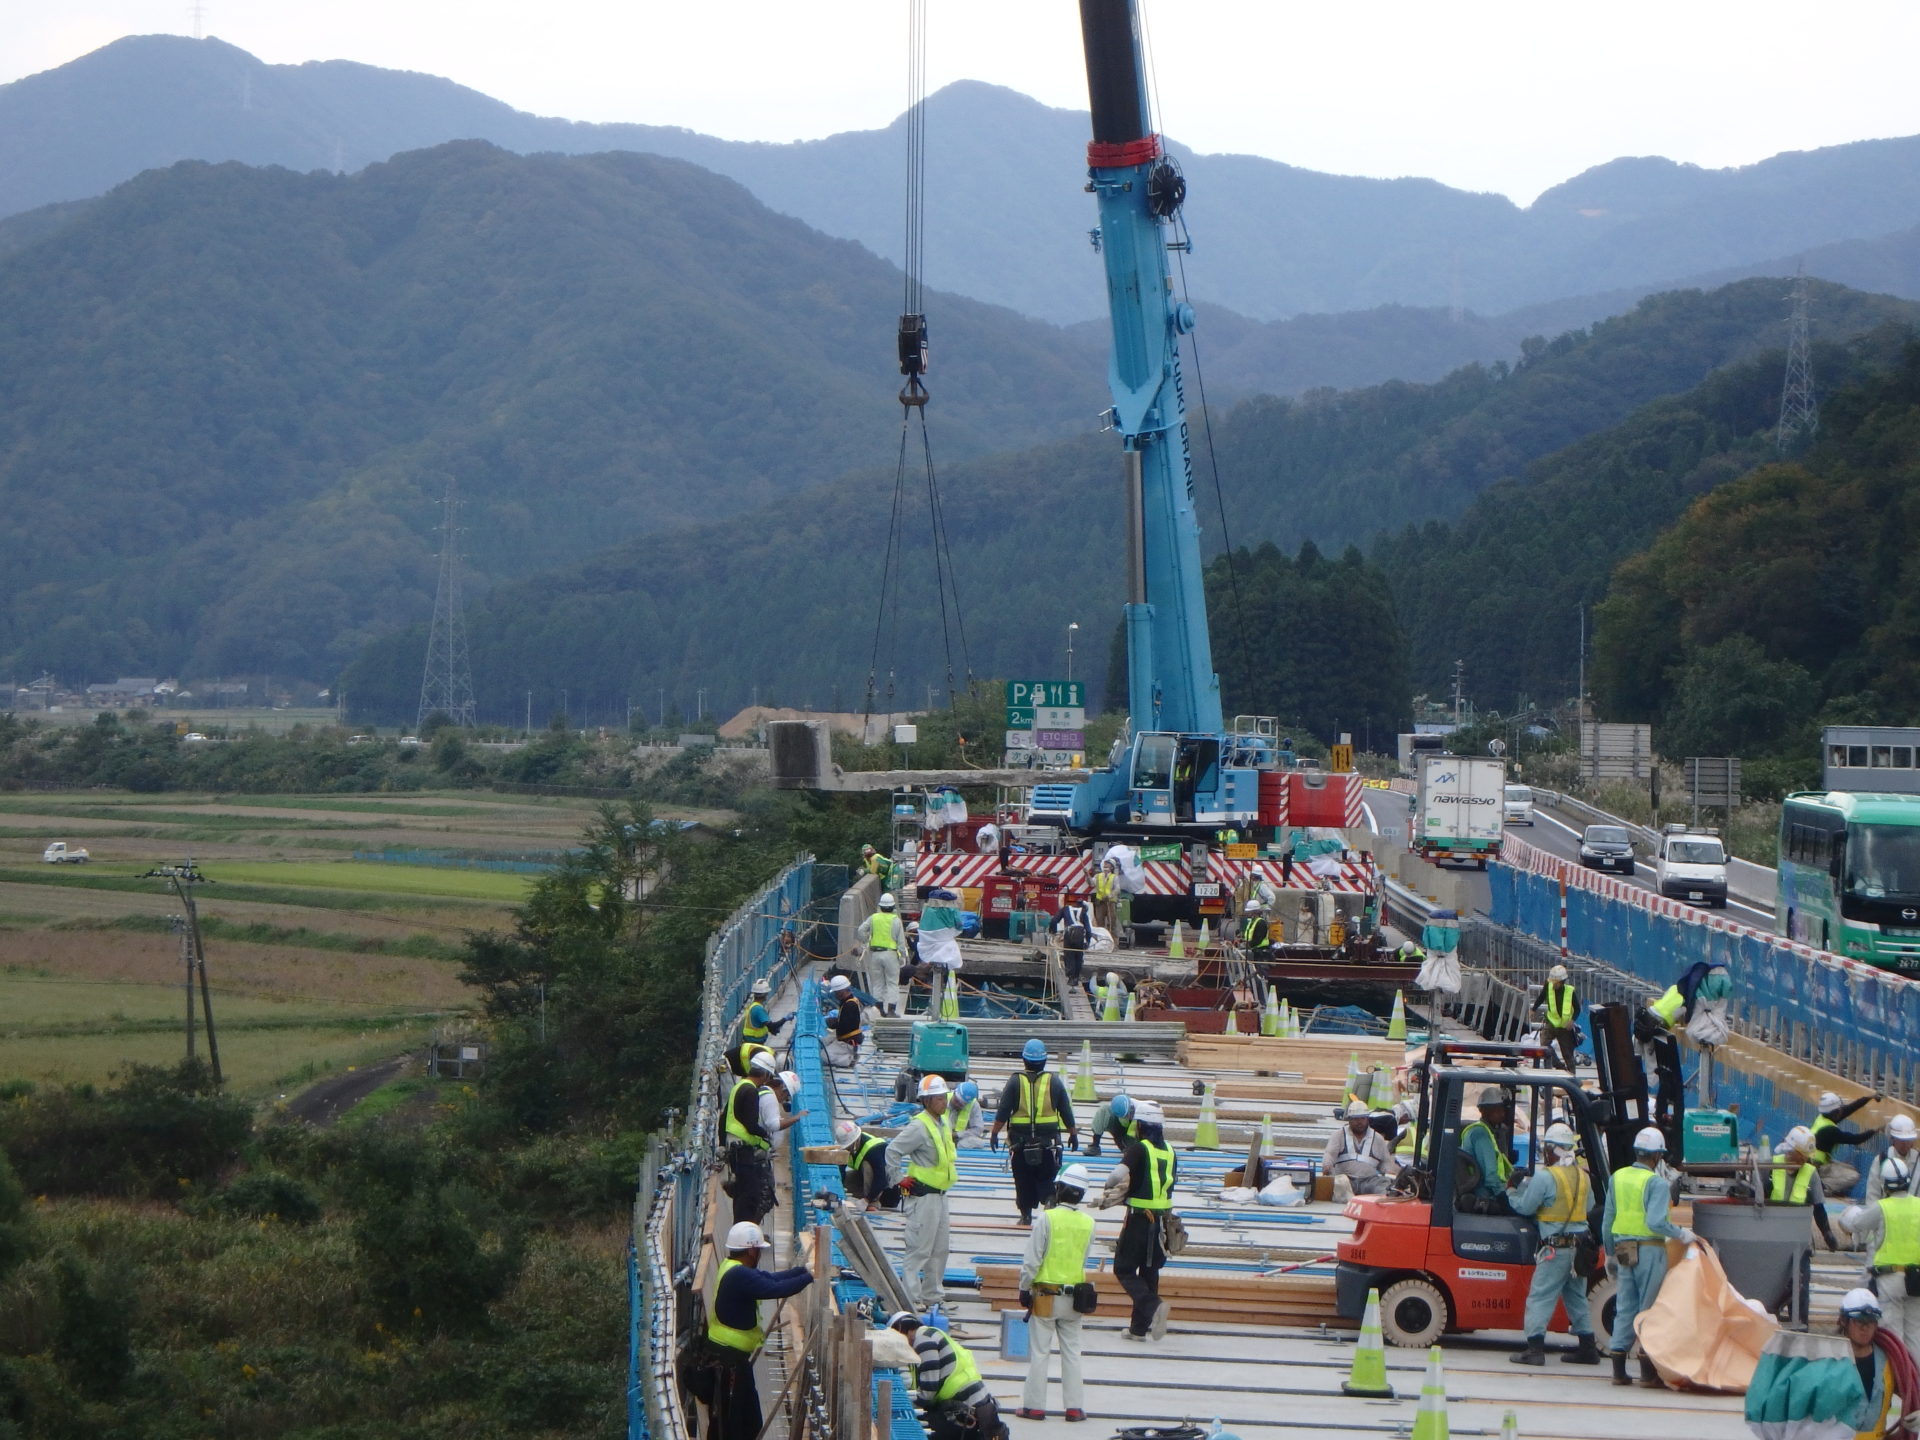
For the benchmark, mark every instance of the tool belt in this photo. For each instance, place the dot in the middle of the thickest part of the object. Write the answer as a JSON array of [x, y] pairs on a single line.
[[1912, 1272], [1626, 1253], [1044, 1297]]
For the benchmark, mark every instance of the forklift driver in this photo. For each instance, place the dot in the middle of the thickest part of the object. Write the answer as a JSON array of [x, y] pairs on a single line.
[[1481, 1183]]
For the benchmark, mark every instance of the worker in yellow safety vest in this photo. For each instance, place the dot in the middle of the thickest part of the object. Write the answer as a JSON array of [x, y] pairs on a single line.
[[1106, 891], [947, 1382], [1829, 1134], [1034, 1110], [1891, 1226], [1562, 1009], [724, 1382], [1634, 1230], [750, 1142], [1559, 1196], [1144, 1178], [1796, 1179], [1479, 1144], [881, 932], [920, 1160], [1052, 1269]]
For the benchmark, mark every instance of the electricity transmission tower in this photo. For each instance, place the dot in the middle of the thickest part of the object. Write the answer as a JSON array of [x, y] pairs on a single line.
[[446, 685], [1799, 415]]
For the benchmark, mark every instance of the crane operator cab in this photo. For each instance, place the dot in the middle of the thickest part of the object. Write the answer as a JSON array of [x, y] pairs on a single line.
[[1163, 780], [1446, 1251]]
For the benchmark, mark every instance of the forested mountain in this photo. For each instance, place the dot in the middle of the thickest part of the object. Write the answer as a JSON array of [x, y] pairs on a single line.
[[230, 398], [1038, 541], [1502, 587], [1273, 240], [1789, 595]]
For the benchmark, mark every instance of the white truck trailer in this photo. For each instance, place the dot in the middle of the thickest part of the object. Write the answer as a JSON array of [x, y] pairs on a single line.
[[1459, 808]]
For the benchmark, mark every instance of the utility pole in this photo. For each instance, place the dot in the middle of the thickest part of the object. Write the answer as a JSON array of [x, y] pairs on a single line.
[[529, 729], [446, 684], [663, 707], [1580, 698], [1799, 414], [180, 878]]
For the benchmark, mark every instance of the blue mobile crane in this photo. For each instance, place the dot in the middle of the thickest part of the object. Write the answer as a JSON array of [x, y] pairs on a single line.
[[1176, 769]]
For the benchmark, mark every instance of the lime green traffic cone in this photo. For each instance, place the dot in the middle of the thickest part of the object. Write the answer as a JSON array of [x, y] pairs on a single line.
[[1266, 1136], [950, 998], [1206, 1135], [1177, 944], [1133, 1005], [1206, 936], [1110, 1000], [1431, 1422], [1233, 1018], [1354, 1072], [1397, 1025], [1368, 1373], [1270, 1017], [1083, 1082], [1509, 1426]]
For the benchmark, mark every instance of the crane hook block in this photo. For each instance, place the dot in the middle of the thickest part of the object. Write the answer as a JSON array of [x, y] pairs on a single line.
[[913, 392], [913, 345]]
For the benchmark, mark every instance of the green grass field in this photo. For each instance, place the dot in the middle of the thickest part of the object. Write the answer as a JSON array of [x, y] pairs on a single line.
[[369, 877]]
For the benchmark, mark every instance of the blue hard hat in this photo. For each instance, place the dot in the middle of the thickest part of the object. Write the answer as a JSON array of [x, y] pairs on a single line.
[[1035, 1049], [968, 1092], [1120, 1107]]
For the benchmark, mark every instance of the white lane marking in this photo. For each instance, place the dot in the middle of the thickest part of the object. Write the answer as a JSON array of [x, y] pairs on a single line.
[[1372, 824]]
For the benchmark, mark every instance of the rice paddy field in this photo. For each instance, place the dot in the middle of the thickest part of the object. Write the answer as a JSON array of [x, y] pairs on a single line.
[[317, 961]]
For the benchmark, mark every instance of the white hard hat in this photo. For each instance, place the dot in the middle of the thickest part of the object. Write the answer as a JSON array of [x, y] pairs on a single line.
[[845, 1131], [1800, 1139], [1113, 978], [1148, 1112], [1492, 1095], [791, 1081], [1829, 1101], [887, 901], [1897, 1175], [839, 982], [745, 1236], [1558, 972], [1901, 1127], [1078, 1176], [764, 1063], [1560, 1133], [1357, 1108], [902, 1317], [1650, 1142], [762, 986], [931, 1085], [1860, 1303]]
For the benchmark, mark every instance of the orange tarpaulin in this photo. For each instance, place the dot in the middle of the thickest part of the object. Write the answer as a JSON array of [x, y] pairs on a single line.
[[1700, 1331]]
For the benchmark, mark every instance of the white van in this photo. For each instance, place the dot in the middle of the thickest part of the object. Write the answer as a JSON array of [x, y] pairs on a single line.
[[1518, 805], [1691, 865]]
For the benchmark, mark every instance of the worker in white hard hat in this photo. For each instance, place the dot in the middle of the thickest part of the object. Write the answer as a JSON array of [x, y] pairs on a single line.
[[1559, 1195], [1560, 1006], [920, 1160], [1903, 1144], [1890, 1229], [750, 1139], [848, 1026], [1796, 1179], [1144, 1179], [865, 1174], [1634, 1229], [1837, 1177], [882, 932], [1052, 1272], [722, 1378], [758, 1024], [1360, 1153], [1877, 1417]]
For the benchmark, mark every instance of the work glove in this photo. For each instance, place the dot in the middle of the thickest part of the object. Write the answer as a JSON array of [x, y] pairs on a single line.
[[993, 1141], [775, 1025], [909, 1186], [1073, 1141], [1687, 1237], [1026, 1300]]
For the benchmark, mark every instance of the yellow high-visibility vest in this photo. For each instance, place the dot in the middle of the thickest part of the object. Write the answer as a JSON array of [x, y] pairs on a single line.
[[1069, 1233], [1571, 1195], [1560, 1005], [941, 1174], [727, 1335], [1630, 1203]]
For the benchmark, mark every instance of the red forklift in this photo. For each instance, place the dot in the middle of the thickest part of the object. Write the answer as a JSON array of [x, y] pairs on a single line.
[[1439, 1266]]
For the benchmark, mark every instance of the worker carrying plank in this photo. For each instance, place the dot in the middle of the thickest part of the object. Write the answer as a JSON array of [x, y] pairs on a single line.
[[721, 1377], [920, 1161], [1559, 1196]]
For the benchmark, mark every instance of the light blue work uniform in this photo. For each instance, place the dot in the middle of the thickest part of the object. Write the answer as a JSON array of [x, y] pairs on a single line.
[[1636, 1288], [1554, 1280]]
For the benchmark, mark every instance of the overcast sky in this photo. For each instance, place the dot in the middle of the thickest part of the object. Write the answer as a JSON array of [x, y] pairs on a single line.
[[1484, 94]]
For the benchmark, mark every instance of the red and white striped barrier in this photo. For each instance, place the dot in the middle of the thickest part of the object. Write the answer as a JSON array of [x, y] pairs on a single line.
[[1164, 877]]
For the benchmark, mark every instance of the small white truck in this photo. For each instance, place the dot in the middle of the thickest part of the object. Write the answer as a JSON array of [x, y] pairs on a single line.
[[1460, 808], [61, 853], [1691, 865]]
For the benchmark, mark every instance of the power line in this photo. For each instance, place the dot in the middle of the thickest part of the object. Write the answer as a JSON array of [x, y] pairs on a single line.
[[446, 684]]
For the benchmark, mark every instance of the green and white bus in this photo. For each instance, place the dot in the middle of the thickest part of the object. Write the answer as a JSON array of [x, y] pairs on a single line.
[[1849, 875]]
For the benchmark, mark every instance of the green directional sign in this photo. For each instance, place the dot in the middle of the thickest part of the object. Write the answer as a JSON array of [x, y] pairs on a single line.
[[1046, 704]]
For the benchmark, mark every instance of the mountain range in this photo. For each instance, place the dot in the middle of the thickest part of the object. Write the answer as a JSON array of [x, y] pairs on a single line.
[[1006, 220]]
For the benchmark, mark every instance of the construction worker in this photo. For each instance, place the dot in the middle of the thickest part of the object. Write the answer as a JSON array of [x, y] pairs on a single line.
[[872, 861], [1559, 1195], [1891, 1225], [1256, 935], [1074, 926], [723, 1381], [1360, 1153], [1479, 1144], [865, 1173], [1144, 1178], [947, 1384], [1902, 1136], [757, 1025], [920, 1162], [1106, 891], [1406, 1142], [1654, 1025], [881, 932], [1112, 1119], [1054, 1264], [750, 1143], [1562, 1009], [967, 1117], [1034, 1109], [1796, 1179], [849, 1024], [1633, 1230], [1877, 1418], [1836, 1176], [741, 1057]]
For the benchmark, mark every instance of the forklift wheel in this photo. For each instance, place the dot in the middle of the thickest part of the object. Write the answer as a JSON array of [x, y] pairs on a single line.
[[1600, 1301], [1413, 1313]]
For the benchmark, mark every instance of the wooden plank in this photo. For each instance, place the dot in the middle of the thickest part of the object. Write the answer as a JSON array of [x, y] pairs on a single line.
[[1294, 1300]]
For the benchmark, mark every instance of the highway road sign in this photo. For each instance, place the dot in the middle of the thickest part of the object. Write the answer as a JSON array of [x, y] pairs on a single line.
[[1340, 759], [1046, 717], [1060, 739], [1071, 693], [1713, 780], [1020, 740]]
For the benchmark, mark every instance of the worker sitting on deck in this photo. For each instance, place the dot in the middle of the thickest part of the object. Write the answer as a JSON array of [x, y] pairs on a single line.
[[920, 1162], [722, 1378], [1144, 1178], [966, 1116], [1860, 1321], [849, 1024], [1891, 1226], [865, 1173], [750, 1143], [1034, 1109], [1902, 1136], [1559, 1195], [1487, 1192], [1053, 1268], [1360, 1153], [1796, 1179], [1256, 935], [1113, 1119], [1406, 1140], [947, 1384], [1632, 1229], [1562, 1009], [1836, 1176]]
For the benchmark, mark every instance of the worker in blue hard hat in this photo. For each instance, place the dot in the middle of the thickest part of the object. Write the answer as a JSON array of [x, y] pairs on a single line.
[[1034, 1110], [1112, 1120], [967, 1117]]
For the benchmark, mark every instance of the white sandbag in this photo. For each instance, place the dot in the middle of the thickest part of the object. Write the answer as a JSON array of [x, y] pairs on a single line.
[[1133, 875], [1102, 941], [1439, 971], [1709, 1025], [940, 948], [1280, 1191]]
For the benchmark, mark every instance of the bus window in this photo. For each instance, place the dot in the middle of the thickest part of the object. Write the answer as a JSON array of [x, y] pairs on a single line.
[[1882, 757], [1903, 757], [1153, 763], [1883, 861]]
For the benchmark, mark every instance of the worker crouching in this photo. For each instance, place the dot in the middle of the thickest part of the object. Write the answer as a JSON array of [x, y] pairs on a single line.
[[1144, 1178], [947, 1384], [1055, 1290], [1634, 1230], [1559, 1195]]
